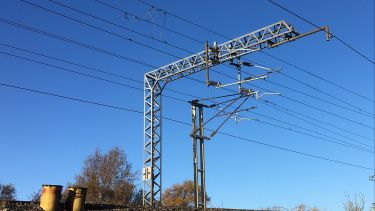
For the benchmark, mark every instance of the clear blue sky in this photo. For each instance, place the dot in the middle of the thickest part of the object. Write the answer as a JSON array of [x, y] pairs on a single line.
[[45, 139]]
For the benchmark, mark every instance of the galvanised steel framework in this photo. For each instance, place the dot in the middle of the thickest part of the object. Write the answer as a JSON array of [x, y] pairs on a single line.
[[154, 82]]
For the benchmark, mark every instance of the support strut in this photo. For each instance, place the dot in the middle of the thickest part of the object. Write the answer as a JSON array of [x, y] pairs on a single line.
[[198, 156]]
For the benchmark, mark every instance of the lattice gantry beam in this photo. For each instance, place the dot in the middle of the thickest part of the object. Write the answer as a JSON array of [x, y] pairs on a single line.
[[254, 41]]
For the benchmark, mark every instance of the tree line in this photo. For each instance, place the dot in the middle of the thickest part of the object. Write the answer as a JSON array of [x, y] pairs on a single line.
[[110, 179]]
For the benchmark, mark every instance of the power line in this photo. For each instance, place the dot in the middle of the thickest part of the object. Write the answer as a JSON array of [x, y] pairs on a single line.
[[112, 23], [333, 35], [113, 54], [122, 27], [71, 41], [80, 73], [329, 112], [330, 95], [75, 42], [297, 126], [184, 123], [184, 19], [281, 60], [316, 76], [98, 78], [321, 91], [101, 29], [148, 21], [365, 113], [127, 78], [338, 142], [294, 114], [317, 137], [307, 105]]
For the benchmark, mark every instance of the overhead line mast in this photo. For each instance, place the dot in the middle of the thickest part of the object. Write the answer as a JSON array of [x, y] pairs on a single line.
[[154, 82]]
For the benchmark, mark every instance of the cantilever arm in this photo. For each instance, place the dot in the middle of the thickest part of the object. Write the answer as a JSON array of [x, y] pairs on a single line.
[[324, 28]]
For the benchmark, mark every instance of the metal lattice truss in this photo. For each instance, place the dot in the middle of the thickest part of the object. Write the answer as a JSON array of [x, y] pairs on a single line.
[[152, 143], [267, 37], [235, 48]]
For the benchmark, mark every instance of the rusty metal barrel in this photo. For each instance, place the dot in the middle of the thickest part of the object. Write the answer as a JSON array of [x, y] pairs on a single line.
[[50, 198]]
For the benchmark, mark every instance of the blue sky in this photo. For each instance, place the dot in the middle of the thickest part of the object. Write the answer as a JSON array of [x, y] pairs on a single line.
[[45, 139]]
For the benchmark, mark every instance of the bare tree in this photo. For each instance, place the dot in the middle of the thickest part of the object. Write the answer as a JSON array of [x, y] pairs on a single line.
[[180, 195], [35, 196], [303, 207], [108, 177], [356, 204], [7, 192], [137, 199]]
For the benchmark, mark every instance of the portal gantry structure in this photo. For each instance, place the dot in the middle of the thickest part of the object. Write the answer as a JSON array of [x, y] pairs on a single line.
[[155, 81]]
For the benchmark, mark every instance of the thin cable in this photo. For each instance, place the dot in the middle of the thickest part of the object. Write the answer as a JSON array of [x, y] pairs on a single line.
[[317, 137], [367, 114], [218, 113], [90, 76], [321, 91], [90, 68], [358, 111], [75, 42], [183, 19], [64, 39], [338, 142], [122, 27], [80, 73], [227, 118], [101, 29], [318, 77], [148, 21], [313, 24], [294, 114], [283, 61], [327, 94], [330, 113], [313, 107], [140, 82], [183, 123], [303, 128]]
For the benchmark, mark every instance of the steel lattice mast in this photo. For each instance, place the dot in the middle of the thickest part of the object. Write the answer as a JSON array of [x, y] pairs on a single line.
[[154, 82]]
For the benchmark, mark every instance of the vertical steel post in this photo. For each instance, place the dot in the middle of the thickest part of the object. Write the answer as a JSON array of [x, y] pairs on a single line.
[[195, 157], [207, 64], [202, 161], [239, 74]]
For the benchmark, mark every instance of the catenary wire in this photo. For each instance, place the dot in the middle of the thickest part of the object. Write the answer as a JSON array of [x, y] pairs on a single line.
[[313, 24], [75, 42], [122, 27], [286, 75], [184, 123], [49, 34], [102, 79], [281, 60], [126, 58], [140, 82], [101, 29]]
